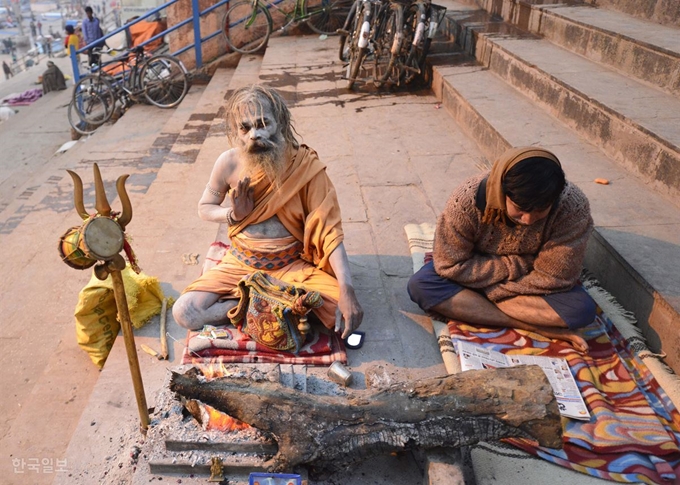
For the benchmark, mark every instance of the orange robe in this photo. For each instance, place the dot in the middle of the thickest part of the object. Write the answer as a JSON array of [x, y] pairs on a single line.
[[307, 205]]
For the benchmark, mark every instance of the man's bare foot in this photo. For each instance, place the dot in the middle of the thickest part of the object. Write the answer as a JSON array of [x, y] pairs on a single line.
[[567, 335]]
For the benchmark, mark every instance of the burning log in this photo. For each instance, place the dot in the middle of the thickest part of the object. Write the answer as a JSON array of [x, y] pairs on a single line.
[[329, 433]]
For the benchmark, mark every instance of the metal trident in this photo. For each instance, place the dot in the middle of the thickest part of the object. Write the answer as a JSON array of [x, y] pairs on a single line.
[[101, 202], [113, 266]]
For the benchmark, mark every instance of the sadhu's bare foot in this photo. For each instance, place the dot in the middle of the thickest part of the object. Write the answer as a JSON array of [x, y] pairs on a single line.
[[576, 341]]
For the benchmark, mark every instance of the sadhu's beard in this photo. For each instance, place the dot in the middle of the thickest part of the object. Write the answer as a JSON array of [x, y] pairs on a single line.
[[265, 155]]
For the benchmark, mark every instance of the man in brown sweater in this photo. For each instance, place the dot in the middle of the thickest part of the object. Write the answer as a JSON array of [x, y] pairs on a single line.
[[508, 250]]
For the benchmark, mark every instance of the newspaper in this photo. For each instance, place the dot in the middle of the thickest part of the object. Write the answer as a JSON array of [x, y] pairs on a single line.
[[569, 400]]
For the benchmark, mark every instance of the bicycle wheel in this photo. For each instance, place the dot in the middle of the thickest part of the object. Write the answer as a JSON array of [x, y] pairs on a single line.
[[164, 81], [388, 46], [352, 27], [77, 124], [326, 16], [354, 67], [416, 41], [358, 49], [94, 99], [245, 30]]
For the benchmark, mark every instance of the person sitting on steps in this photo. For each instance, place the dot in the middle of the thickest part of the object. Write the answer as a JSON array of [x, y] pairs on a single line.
[[284, 218], [508, 251]]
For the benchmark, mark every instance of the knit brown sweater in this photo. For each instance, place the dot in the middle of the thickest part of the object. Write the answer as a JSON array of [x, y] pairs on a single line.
[[510, 260]]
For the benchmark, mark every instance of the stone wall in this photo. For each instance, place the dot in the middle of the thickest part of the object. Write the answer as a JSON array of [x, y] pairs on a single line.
[[184, 36], [216, 46]]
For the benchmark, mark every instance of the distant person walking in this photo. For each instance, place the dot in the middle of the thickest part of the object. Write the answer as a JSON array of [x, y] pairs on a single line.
[[33, 29], [48, 46], [71, 39], [7, 69], [39, 25], [91, 32]]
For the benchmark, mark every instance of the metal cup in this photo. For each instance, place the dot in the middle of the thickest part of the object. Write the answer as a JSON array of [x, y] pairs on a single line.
[[340, 374]]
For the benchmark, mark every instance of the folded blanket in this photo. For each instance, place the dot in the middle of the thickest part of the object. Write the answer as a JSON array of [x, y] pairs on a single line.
[[322, 347]]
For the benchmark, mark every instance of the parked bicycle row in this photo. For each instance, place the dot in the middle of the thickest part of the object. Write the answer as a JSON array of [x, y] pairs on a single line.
[[383, 41], [131, 77], [387, 42]]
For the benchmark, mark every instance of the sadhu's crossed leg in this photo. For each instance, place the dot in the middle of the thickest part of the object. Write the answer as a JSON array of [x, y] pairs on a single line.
[[208, 299]]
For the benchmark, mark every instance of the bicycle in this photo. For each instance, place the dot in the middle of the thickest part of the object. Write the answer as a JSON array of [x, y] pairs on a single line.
[[395, 36], [424, 19], [376, 27], [161, 80], [81, 127], [247, 24]]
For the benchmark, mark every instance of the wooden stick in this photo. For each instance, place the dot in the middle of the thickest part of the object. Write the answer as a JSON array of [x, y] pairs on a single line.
[[151, 351], [164, 337], [128, 336]]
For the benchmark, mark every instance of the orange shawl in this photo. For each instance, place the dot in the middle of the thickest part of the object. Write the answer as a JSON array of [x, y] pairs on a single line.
[[305, 203]]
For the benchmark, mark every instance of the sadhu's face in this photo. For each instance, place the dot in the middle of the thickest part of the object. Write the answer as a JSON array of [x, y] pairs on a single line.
[[257, 128], [522, 217]]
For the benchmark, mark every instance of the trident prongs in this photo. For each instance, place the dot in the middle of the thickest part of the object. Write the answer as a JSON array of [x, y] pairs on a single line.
[[78, 195], [125, 216], [101, 203]]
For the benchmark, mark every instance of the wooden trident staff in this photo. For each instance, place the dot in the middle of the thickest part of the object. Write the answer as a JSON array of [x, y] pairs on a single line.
[[100, 240]]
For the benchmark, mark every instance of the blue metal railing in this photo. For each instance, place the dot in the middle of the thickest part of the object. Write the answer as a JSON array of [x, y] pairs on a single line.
[[195, 19]]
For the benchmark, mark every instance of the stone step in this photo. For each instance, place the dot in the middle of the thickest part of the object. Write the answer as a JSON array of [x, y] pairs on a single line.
[[188, 143], [247, 71], [639, 48], [631, 122], [635, 249], [666, 12]]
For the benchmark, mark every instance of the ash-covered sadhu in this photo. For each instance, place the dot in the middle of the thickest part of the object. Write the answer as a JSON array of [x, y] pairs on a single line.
[[508, 250], [284, 217]]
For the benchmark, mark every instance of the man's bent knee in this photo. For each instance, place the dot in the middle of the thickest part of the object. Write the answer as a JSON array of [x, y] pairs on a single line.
[[575, 307], [587, 312], [428, 289], [415, 288], [185, 312]]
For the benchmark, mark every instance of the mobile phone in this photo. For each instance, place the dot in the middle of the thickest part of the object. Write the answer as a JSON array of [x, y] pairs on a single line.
[[355, 340]]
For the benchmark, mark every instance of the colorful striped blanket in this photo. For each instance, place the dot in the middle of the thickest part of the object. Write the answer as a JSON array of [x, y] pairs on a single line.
[[634, 431], [322, 348]]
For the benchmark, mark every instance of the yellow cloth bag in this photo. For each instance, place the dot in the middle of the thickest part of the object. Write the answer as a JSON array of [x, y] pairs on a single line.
[[96, 314]]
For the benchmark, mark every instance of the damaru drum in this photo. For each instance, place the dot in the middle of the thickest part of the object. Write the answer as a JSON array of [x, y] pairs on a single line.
[[99, 239]]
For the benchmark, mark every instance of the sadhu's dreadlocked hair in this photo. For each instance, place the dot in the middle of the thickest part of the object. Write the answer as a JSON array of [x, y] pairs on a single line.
[[247, 99]]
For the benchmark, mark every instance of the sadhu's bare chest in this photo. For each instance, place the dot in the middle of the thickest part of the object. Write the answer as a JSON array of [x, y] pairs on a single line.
[[272, 228]]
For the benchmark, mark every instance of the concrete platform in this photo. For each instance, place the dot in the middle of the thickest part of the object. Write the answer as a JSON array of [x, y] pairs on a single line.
[[51, 379], [344, 128], [659, 11]]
